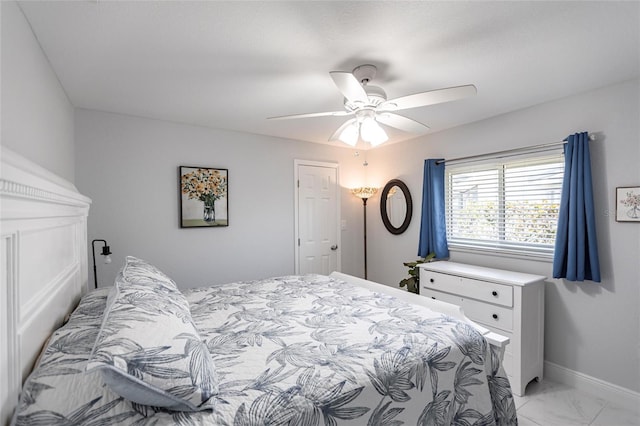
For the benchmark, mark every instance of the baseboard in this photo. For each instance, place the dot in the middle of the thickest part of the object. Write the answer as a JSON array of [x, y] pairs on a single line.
[[623, 397]]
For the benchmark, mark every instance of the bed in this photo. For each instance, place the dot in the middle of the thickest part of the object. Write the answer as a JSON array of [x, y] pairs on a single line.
[[307, 350]]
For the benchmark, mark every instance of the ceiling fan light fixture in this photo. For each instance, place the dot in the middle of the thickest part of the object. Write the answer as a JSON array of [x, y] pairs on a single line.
[[372, 132], [350, 134]]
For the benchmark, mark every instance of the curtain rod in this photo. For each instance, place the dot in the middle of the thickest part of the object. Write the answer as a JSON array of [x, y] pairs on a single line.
[[513, 151]]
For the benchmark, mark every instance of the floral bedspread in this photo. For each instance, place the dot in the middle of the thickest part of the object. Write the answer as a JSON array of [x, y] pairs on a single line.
[[297, 350]]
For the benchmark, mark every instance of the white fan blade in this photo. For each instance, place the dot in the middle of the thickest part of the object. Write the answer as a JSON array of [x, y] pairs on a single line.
[[349, 86], [428, 98], [335, 136], [313, 114], [400, 122]]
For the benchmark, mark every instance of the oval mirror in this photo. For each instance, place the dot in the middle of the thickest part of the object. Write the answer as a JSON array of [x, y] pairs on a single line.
[[396, 206]]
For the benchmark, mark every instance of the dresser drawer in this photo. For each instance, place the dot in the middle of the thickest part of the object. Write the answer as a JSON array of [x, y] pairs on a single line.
[[498, 294], [484, 313], [492, 315]]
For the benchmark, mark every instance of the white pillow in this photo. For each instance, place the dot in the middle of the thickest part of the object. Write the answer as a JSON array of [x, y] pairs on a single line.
[[148, 349]]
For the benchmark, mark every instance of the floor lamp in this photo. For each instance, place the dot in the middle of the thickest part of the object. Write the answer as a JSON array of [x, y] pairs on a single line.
[[364, 193]]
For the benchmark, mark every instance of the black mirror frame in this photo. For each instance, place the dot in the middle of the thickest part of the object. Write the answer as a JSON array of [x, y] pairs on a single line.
[[383, 206]]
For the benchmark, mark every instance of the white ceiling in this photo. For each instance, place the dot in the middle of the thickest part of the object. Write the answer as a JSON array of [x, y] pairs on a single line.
[[230, 65]]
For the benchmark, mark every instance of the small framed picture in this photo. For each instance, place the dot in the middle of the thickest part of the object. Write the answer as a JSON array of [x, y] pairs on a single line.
[[204, 197], [628, 204]]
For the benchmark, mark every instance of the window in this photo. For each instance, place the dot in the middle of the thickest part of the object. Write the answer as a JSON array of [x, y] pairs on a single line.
[[508, 206]]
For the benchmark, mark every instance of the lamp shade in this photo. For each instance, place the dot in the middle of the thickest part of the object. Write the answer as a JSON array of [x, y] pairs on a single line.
[[371, 132], [350, 134], [364, 192]]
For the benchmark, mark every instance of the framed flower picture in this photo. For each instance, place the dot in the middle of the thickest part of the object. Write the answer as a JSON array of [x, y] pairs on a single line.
[[204, 197], [628, 204]]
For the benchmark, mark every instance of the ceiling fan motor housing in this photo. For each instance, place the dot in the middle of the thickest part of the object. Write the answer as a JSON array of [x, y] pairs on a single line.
[[376, 94], [375, 97]]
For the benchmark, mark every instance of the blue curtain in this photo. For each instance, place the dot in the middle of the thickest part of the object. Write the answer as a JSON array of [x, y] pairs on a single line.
[[576, 252], [433, 227]]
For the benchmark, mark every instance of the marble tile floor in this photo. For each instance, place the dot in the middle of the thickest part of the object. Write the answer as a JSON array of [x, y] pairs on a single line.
[[554, 404]]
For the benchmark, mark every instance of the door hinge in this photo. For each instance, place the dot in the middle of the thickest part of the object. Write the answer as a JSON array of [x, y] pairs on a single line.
[[298, 242]]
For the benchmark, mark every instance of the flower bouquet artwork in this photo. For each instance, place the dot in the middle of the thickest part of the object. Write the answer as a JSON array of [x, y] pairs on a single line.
[[628, 204], [203, 197]]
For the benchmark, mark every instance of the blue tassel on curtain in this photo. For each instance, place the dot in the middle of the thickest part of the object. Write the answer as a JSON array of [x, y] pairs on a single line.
[[576, 253], [433, 227]]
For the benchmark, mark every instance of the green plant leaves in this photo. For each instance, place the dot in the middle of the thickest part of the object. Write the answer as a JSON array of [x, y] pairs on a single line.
[[413, 282]]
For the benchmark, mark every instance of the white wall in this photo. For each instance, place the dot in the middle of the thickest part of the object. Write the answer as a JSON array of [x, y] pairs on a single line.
[[37, 117], [129, 167], [590, 328]]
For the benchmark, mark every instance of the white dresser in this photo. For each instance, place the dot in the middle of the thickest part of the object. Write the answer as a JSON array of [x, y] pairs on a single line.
[[506, 302]]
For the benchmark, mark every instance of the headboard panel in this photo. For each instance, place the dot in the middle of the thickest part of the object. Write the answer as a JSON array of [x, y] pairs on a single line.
[[43, 269]]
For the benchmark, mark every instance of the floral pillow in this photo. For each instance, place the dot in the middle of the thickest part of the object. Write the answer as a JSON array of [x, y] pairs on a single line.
[[148, 349]]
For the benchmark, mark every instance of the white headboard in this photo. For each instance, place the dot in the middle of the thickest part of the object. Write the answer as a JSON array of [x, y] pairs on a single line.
[[43, 265]]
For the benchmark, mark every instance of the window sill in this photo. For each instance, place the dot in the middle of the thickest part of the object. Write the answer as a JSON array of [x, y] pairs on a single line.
[[537, 257]]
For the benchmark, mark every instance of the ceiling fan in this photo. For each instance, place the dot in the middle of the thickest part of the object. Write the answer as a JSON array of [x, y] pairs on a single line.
[[369, 106]]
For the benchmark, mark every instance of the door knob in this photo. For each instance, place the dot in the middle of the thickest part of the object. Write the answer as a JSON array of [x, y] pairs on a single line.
[[334, 247]]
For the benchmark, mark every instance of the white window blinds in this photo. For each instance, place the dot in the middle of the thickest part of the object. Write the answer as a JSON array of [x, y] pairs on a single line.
[[507, 206]]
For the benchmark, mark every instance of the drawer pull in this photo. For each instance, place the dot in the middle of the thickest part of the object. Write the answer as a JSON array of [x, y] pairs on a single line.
[[433, 297], [495, 293], [432, 280], [495, 316]]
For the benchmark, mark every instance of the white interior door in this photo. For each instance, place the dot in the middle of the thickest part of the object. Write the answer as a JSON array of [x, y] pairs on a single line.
[[317, 235]]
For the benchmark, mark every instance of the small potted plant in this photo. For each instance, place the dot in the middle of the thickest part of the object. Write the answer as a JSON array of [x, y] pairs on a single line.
[[413, 282]]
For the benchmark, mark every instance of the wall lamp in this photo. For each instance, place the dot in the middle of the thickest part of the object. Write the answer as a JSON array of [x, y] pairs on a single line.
[[106, 252]]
